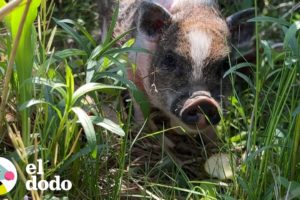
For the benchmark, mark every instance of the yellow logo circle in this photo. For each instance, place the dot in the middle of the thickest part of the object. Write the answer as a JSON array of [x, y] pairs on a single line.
[[8, 176]]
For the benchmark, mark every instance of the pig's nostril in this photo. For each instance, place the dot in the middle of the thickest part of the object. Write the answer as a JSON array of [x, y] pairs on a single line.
[[211, 113], [214, 119], [203, 112], [191, 116]]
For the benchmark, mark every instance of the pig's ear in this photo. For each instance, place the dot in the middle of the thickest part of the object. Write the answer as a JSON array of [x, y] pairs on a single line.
[[152, 20], [242, 32]]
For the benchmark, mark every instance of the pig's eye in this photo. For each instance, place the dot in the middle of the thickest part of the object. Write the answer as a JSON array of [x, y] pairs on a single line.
[[169, 62]]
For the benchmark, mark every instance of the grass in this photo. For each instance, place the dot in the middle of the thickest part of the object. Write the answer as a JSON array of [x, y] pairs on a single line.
[[54, 103]]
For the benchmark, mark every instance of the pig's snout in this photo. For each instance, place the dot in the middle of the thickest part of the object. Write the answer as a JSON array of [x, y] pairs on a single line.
[[201, 111]]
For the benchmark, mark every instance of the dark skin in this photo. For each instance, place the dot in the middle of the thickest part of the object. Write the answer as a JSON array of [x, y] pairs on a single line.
[[173, 70], [178, 76]]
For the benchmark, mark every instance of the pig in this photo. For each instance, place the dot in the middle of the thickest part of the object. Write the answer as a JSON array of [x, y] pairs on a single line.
[[189, 44]]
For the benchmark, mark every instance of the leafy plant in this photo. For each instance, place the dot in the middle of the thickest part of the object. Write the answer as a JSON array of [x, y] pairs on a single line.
[[64, 105]]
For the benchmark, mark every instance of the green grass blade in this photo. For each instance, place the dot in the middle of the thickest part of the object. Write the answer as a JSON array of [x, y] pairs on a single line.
[[72, 33], [291, 38], [89, 87], [70, 86], [112, 25], [68, 53], [234, 68], [24, 54], [125, 50], [138, 95], [55, 86], [108, 125], [33, 102], [82, 29], [88, 127]]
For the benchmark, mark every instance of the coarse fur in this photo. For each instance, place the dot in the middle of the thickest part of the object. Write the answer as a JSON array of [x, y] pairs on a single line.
[[189, 43]]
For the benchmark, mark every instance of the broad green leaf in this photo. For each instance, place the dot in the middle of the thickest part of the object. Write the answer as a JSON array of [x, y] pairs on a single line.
[[33, 102], [82, 29], [95, 52], [88, 128], [61, 55], [109, 125], [24, 54], [117, 78], [73, 33], [129, 43], [25, 51], [55, 86], [291, 38], [68, 53], [70, 86], [89, 87], [234, 68], [138, 96], [239, 137], [113, 42], [125, 50], [90, 71], [118, 65]]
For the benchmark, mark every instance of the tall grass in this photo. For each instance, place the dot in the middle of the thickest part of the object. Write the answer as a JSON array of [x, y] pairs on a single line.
[[273, 136], [67, 131], [59, 100]]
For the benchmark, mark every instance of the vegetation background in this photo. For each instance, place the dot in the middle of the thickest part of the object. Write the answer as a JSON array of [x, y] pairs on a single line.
[[59, 77]]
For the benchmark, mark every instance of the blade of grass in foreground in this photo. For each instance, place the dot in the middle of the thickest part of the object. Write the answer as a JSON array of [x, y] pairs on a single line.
[[20, 23]]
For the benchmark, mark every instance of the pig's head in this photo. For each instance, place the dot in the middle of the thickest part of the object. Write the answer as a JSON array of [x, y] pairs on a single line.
[[190, 44]]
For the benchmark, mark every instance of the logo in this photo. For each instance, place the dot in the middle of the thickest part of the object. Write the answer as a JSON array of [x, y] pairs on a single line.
[[35, 184], [8, 176]]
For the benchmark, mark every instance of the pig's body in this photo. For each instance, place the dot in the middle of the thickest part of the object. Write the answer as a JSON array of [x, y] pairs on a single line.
[[190, 45]]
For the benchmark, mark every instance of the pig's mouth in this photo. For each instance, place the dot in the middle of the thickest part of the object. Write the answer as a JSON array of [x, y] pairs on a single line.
[[198, 112]]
